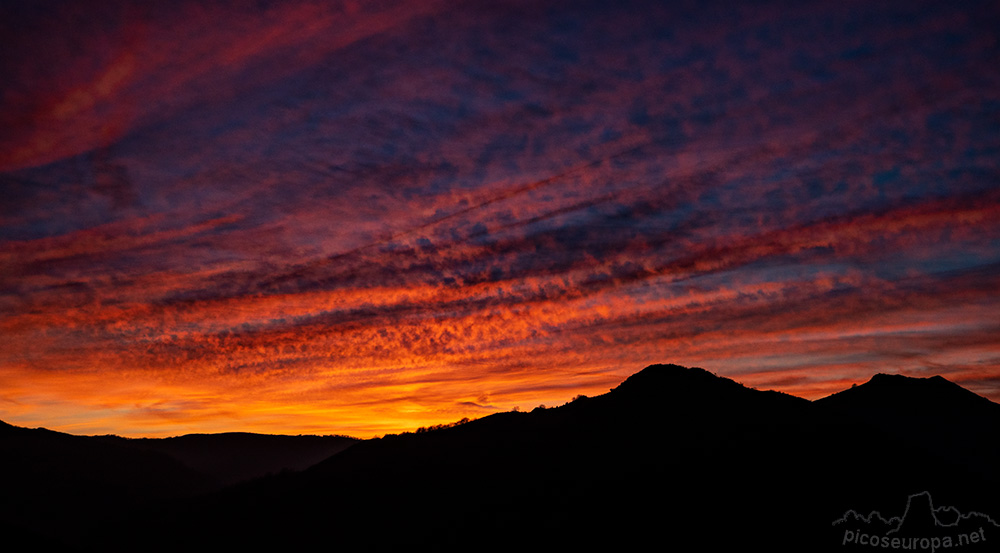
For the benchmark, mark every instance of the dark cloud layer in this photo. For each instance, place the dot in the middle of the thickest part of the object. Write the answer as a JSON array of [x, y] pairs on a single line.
[[360, 218]]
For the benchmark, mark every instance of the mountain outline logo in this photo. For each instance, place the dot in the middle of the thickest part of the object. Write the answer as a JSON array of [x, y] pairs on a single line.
[[921, 527]]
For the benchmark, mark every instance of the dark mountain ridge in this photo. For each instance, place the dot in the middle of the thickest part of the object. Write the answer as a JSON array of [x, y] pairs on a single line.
[[82, 483], [948, 421], [669, 454], [232, 457], [895, 392]]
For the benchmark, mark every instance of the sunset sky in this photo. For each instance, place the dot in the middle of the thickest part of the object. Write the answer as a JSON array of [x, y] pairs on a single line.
[[365, 217]]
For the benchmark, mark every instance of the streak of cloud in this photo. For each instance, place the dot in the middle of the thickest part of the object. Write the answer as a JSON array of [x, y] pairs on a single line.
[[363, 218]]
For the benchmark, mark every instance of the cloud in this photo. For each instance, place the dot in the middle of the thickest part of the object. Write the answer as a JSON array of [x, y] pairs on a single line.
[[105, 70], [369, 217]]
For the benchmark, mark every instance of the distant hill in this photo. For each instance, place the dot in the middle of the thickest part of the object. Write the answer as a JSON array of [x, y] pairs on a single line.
[[49, 478], [945, 420], [673, 456], [55, 483], [233, 457], [888, 393]]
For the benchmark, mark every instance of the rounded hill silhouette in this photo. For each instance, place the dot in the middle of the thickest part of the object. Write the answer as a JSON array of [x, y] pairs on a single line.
[[894, 392]]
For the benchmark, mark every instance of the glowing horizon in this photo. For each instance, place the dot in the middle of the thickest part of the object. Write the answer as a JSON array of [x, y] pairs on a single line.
[[344, 218]]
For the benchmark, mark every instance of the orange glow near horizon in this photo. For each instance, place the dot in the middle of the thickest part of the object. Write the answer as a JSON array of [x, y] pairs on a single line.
[[355, 218]]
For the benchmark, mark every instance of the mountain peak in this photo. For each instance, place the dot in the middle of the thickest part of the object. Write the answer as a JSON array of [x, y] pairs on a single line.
[[903, 384], [676, 387], [659, 379], [889, 379], [908, 393]]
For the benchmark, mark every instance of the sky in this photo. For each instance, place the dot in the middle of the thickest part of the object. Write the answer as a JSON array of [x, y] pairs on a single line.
[[365, 217]]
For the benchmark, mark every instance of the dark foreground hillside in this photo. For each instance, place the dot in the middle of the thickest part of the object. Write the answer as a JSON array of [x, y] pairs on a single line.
[[673, 455], [61, 489]]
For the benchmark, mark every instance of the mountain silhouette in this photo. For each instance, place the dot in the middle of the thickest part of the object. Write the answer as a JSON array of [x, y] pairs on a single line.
[[947, 421], [671, 455], [233, 457], [886, 393], [80, 483], [55, 483]]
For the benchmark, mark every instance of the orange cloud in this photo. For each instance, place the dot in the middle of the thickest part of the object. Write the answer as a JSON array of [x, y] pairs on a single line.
[[363, 218]]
